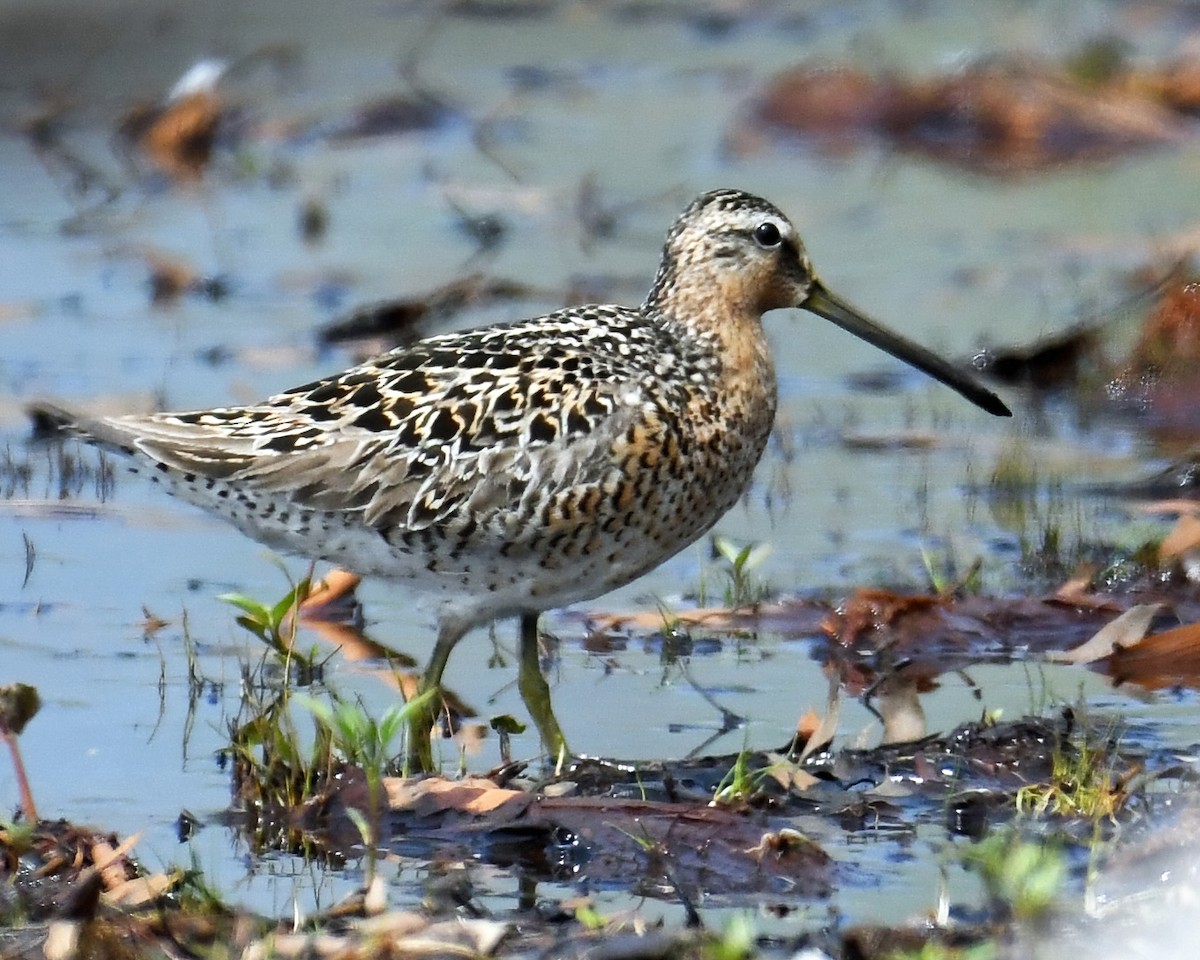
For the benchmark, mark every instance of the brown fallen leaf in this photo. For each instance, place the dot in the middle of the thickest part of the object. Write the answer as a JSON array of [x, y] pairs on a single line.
[[111, 861], [151, 623], [716, 618], [179, 137], [140, 891], [780, 844], [1167, 659], [1078, 592], [170, 276], [1183, 538], [1170, 340], [999, 118], [474, 797], [1125, 631], [621, 833], [824, 731], [807, 725], [869, 610], [1177, 85]]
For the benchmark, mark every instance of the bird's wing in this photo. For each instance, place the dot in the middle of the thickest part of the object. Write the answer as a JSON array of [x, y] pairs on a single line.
[[411, 438]]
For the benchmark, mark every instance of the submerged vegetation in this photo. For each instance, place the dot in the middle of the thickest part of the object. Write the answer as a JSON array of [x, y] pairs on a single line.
[[1084, 782]]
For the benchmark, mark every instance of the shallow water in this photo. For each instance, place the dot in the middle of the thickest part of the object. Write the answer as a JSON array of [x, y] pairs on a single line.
[[646, 106]]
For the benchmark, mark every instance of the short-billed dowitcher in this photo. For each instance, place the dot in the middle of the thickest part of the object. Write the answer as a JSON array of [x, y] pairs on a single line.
[[516, 468]]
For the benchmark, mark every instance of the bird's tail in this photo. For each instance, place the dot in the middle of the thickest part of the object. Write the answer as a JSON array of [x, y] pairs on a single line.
[[50, 420]]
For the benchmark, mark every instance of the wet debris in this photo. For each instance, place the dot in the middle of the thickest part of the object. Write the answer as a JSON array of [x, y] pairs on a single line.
[[394, 934], [77, 893], [1182, 543], [930, 632], [1166, 660], [1180, 480], [996, 118], [1059, 360], [81, 181], [56, 869], [1160, 381], [312, 222], [394, 115], [399, 322], [177, 136], [670, 846], [172, 277], [1155, 382]]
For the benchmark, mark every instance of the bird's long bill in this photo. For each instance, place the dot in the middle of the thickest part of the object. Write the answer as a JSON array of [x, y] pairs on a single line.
[[824, 303]]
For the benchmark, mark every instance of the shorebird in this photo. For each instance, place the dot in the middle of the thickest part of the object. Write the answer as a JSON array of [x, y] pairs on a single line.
[[521, 467]]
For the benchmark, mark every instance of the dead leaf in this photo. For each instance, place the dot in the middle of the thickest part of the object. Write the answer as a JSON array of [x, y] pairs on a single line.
[[716, 618], [151, 623], [178, 138], [1170, 338], [140, 891], [1167, 659], [1078, 590], [1183, 538], [474, 797], [111, 861], [825, 730], [170, 276], [807, 725], [789, 775], [997, 117], [1079, 593], [62, 940], [781, 844], [1125, 631], [869, 610]]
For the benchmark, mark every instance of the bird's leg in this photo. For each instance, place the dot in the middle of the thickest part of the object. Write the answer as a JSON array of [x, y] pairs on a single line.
[[536, 692], [422, 719]]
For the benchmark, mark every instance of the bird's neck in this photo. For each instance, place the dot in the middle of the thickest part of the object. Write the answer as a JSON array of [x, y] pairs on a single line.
[[730, 331]]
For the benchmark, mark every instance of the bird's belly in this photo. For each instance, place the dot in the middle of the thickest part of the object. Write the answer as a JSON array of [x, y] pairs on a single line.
[[554, 553], [550, 551]]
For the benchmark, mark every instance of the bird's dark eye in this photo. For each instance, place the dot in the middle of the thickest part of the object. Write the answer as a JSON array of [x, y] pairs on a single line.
[[767, 234]]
